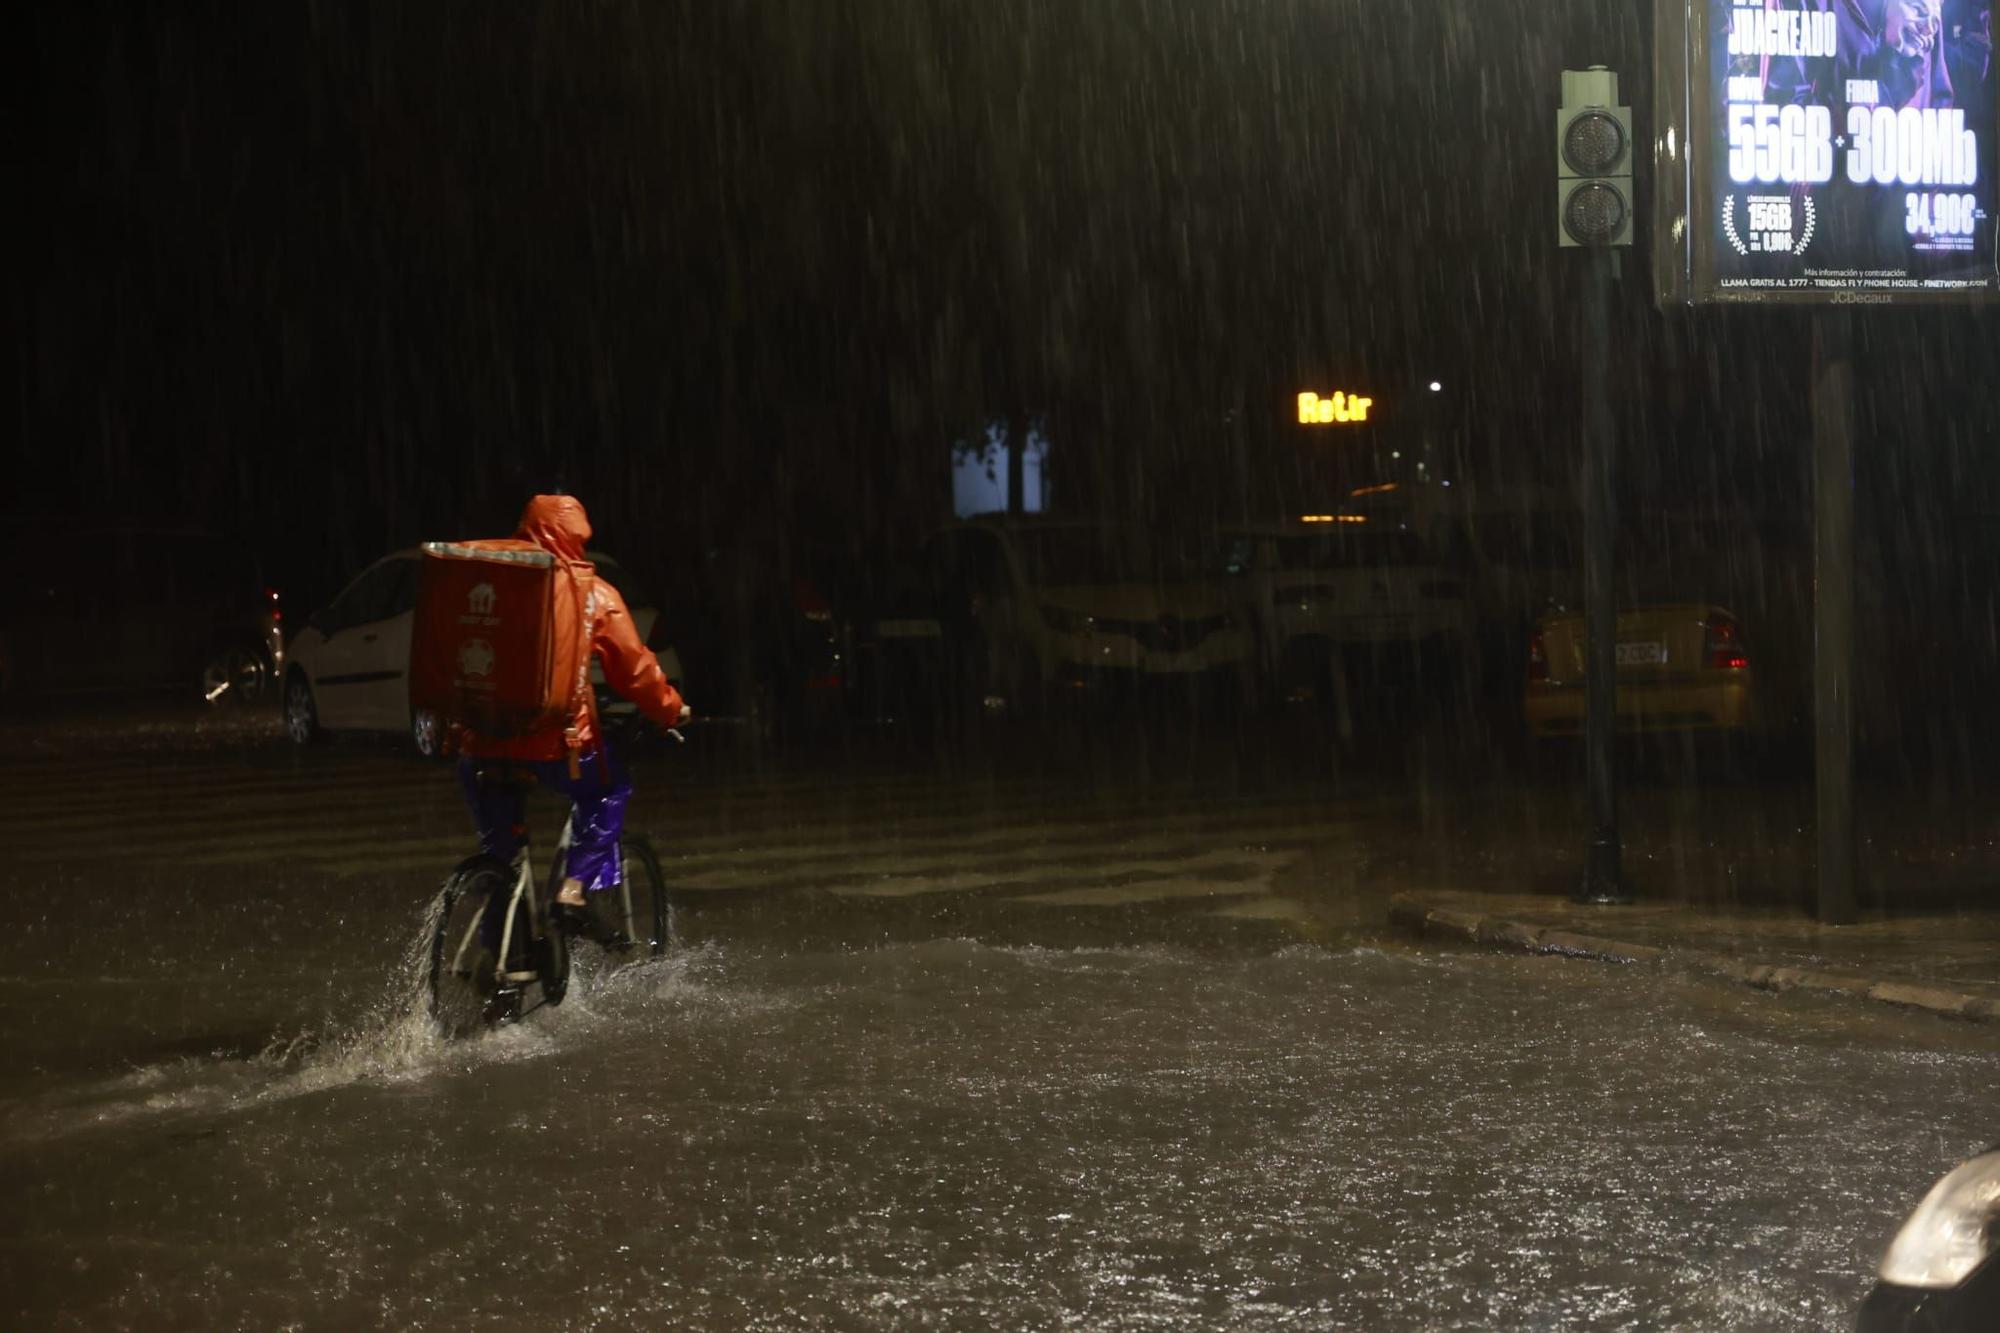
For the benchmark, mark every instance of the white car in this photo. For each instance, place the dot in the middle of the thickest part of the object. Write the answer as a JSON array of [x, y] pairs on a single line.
[[1314, 590], [348, 669], [1049, 606]]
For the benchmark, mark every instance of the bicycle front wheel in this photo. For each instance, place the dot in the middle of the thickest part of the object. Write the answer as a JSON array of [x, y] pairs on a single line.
[[465, 986], [635, 909]]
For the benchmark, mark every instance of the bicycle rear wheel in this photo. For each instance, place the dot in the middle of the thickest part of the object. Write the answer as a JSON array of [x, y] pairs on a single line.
[[466, 992], [634, 910]]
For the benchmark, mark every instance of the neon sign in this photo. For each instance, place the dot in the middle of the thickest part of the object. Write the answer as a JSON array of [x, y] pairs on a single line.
[[1343, 409]]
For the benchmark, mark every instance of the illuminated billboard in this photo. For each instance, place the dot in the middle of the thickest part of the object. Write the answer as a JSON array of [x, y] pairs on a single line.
[[1838, 151]]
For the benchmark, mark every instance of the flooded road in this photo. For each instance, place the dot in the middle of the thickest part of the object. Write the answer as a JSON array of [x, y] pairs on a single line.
[[937, 1052]]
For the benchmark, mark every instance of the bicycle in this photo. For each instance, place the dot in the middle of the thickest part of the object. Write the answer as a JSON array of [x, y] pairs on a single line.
[[474, 985]]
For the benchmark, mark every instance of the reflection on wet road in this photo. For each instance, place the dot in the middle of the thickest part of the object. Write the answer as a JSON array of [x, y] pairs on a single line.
[[936, 1055]]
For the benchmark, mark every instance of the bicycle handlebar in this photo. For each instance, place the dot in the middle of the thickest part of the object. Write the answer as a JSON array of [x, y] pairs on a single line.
[[627, 729]]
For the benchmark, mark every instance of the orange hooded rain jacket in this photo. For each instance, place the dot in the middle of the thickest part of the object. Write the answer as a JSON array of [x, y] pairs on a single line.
[[558, 525]]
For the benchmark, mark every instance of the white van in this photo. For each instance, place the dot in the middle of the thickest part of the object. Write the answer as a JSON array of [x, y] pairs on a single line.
[[1040, 608], [1318, 591]]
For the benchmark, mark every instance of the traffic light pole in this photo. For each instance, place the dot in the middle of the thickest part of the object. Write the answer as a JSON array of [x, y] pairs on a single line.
[[1833, 612], [1603, 876], [1594, 213]]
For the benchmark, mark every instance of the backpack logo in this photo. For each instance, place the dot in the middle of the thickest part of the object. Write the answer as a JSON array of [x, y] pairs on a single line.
[[475, 657], [481, 599]]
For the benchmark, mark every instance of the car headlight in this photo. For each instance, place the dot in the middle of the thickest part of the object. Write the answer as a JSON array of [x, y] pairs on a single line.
[[1065, 621], [1953, 1230]]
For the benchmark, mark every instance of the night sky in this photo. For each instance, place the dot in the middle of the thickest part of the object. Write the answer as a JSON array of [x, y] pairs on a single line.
[[340, 277]]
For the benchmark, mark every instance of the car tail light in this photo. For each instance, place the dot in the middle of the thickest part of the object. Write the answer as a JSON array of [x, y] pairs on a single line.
[[1722, 646], [807, 601], [1538, 659]]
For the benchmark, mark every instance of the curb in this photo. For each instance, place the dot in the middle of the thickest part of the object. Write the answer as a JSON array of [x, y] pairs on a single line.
[[1419, 919]]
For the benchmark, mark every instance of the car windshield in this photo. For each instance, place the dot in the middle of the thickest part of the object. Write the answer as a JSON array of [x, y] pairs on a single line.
[[1351, 546], [1060, 557], [1543, 542], [624, 580], [199, 567]]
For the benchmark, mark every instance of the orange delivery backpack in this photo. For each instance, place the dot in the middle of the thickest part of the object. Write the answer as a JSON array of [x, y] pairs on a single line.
[[501, 641]]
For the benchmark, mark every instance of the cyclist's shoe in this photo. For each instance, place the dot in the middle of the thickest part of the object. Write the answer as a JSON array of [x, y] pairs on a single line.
[[571, 919], [588, 922]]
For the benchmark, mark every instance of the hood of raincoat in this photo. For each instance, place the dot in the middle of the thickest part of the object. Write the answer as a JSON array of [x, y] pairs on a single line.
[[557, 524]]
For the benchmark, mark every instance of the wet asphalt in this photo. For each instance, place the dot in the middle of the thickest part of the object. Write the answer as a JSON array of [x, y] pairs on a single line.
[[1054, 1031]]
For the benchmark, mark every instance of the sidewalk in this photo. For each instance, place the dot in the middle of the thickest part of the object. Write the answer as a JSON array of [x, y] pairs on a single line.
[[1946, 962]]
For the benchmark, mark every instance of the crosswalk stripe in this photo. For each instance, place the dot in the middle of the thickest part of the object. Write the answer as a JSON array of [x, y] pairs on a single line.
[[157, 806], [63, 776], [437, 865], [1024, 842], [961, 842], [1084, 848], [98, 798], [1030, 843], [355, 803], [169, 822], [738, 869], [172, 810], [736, 866], [310, 834], [1260, 865], [1128, 895], [1266, 907]]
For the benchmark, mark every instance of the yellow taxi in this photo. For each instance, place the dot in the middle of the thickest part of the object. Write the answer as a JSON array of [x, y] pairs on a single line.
[[1681, 667]]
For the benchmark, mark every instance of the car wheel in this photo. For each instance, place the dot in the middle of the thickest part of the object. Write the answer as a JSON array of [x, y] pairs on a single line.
[[426, 733], [1027, 695], [233, 678], [301, 713], [761, 717], [1303, 677]]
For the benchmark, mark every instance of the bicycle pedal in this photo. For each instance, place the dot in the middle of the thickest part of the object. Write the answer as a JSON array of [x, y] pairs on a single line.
[[503, 1006]]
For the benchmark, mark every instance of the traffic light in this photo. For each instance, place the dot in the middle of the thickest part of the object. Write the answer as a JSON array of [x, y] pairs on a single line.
[[1593, 161]]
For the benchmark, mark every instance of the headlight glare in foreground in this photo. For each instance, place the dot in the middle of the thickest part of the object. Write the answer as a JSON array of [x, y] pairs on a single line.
[[1952, 1231]]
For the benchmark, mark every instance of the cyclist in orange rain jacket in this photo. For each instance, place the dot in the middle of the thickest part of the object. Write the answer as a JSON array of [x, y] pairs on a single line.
[[599, 785]]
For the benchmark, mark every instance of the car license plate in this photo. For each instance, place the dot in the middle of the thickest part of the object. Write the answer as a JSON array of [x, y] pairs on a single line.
[[1641, 654]]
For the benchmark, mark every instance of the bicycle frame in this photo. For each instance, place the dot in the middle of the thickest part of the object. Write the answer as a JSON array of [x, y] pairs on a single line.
[[524, 890], [533, 947]]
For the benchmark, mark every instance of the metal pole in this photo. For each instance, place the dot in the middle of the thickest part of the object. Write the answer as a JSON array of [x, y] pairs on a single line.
[[1603, 878], [1833, 612]]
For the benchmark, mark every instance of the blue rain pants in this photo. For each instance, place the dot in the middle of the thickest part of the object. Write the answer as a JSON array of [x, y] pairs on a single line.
[[597, 810]]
